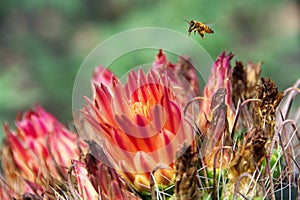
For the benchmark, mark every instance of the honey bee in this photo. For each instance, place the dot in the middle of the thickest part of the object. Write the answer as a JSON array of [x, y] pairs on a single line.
[[199, 27]]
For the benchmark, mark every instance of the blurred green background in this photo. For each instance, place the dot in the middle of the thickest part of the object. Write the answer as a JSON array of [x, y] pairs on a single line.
[[43, 43]]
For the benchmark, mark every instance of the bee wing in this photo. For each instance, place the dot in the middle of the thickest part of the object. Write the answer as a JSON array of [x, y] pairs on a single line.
[[210, 24]]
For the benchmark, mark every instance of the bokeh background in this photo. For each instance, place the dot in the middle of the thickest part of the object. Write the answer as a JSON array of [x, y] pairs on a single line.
[[42, 43]]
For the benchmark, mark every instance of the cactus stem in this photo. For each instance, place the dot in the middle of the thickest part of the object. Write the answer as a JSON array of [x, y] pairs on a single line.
[[215, 168]]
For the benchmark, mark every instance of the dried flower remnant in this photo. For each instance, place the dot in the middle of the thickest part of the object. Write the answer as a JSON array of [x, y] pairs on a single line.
[[264, 116], [249, 156], [245, 79], [184, 66], [239, 83], [247, 159], [186, 182]]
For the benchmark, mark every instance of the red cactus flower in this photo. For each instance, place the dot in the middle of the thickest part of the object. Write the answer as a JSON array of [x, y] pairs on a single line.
[[141, 123], [41, 150]]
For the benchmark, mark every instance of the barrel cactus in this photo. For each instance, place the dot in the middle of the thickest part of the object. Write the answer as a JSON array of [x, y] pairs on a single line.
[[239, 140]]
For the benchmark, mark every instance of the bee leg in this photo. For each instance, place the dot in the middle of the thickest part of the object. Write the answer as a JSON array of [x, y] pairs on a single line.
[[201, 33]]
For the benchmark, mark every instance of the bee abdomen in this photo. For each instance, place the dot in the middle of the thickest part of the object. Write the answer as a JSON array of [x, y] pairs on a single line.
[[209, 30]]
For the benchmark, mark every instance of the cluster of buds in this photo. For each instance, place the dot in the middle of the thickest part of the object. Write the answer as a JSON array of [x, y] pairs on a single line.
[[36, 157], [144, 140]]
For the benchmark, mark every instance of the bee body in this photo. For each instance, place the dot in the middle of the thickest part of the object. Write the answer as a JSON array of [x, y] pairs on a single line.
[[199, 27]]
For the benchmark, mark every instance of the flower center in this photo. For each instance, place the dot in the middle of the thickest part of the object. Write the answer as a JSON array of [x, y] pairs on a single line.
[[141, 108]]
